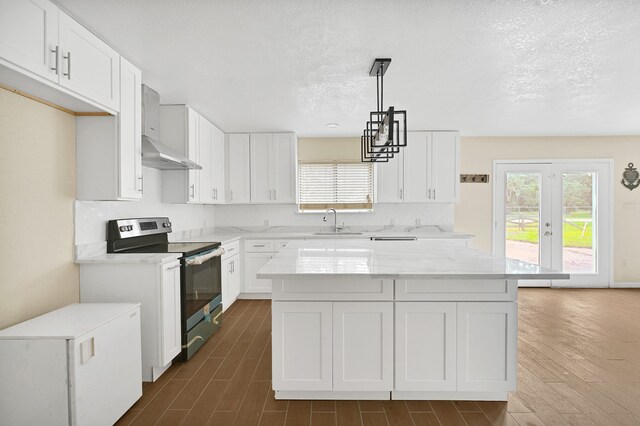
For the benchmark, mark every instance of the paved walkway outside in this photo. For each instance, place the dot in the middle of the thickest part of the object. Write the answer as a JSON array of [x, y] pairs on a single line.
[[576, 259]]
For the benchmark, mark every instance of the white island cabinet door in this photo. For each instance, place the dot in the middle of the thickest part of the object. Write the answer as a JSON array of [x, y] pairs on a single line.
[[487, 346], [105, 370], [302, 346], [363, 346], [425, 346], [88, 66], [29, 36], [170, 314]]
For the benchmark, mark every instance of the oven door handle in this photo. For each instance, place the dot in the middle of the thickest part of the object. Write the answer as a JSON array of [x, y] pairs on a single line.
[[201, 258]]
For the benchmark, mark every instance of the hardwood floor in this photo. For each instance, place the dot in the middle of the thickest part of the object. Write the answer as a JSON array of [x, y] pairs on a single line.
[[579, 364]]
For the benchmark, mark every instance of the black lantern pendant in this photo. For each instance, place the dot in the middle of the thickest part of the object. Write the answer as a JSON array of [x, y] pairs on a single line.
[[386, 131]]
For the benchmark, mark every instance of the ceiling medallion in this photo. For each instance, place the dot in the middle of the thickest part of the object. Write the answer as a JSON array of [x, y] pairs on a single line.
[[386, 131]]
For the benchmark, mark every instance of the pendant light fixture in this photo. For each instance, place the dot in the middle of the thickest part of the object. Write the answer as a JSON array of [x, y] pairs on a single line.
[[386, 131]]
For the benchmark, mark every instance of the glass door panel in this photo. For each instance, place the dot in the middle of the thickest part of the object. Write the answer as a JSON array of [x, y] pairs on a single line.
[[579, 238], [522, 216]]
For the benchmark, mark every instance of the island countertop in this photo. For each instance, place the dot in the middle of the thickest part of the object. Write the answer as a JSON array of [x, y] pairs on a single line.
[[396, 259]]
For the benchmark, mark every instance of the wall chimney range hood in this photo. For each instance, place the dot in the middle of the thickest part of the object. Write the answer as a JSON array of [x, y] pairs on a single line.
[[154, 153]]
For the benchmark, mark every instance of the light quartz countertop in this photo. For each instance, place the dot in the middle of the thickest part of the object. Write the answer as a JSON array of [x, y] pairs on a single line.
[[393, 259], [231, 233], [95, 253]]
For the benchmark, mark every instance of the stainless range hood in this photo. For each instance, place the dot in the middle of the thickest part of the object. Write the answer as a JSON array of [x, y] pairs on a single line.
[[154, 153]]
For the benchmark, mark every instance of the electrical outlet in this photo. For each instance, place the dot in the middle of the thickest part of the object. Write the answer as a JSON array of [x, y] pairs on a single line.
[[266, 222], [623, 263], [418, 221], [630, 205]]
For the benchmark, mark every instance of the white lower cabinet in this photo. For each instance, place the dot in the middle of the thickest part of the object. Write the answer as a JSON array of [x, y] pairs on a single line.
[[257, 254], [362, 346], [325, 347], [170, 319], [230, 280], [253, 263], [78, 365], [157, 288], [425, 346], [301, 347], [339, 346], [487, 346]]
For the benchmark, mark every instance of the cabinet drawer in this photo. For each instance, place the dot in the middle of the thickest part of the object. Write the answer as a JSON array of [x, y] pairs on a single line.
[[259, 246], [456, 289], [327, 289], [279, 244], [231, 249]]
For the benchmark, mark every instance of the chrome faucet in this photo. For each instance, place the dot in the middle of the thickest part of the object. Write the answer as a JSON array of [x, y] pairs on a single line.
[[336, 228]]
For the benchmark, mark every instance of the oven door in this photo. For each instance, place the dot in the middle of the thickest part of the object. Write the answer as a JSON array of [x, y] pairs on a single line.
[[201, 289]]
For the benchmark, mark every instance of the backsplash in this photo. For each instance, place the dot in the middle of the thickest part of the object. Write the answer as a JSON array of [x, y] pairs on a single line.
[[383, 214], [91, 216]]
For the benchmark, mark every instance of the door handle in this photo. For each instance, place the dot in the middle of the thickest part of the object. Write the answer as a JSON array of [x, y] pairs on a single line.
[[55, 68], [68, 58], [193, 190], [141, 179], [548, 234]]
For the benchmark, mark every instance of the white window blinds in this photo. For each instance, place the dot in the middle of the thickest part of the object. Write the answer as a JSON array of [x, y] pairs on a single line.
[[342, 186]]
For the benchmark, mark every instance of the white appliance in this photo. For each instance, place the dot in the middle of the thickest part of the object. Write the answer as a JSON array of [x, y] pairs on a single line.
[[78, 365]]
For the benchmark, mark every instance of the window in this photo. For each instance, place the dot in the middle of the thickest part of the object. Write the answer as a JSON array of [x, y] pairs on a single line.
[[340, 186]]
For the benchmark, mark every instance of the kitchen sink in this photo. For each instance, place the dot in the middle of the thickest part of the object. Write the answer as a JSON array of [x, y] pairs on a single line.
[[337, 233]]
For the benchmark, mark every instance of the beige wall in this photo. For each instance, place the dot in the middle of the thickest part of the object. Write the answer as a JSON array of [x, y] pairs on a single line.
[[37, 191], [474, 212], [339, 149]]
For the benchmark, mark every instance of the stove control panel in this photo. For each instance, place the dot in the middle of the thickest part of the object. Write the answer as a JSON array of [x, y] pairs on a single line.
[[127, 228]]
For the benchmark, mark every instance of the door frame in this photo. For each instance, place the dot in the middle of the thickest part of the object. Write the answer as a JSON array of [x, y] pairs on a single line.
[[609, 226]]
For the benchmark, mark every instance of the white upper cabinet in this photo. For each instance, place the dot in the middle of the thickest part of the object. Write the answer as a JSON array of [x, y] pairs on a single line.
[[130, 131], [217, 186], [272, 168], [425, 172], [109, 158], [390, 180], [188, 133], [211, 158], [284, 145], [416, 166], [261, 168], [88, 66], [238, 178], [29, 36], [445, 158], [70, 65]]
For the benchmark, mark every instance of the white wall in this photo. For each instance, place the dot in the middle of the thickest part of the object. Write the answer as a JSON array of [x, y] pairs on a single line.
[[91, 216], [473, 214], [37, 190]]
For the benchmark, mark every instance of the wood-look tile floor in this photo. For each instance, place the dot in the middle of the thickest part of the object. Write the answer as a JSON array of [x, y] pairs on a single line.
[[579, 364]]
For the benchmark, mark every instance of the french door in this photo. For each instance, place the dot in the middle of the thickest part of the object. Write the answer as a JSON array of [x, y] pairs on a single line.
[[556, 214]]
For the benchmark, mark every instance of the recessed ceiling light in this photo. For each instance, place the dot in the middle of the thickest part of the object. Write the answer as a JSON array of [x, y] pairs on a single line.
[[332, 125]]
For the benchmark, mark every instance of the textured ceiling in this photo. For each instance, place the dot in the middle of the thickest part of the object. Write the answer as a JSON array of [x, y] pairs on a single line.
[[485, 67]]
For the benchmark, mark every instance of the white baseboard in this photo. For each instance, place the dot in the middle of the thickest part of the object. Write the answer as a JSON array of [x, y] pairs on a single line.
[[626, 284]]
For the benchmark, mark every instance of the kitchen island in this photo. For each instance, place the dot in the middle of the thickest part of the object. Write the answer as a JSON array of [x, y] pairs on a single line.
[[394, 320]]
